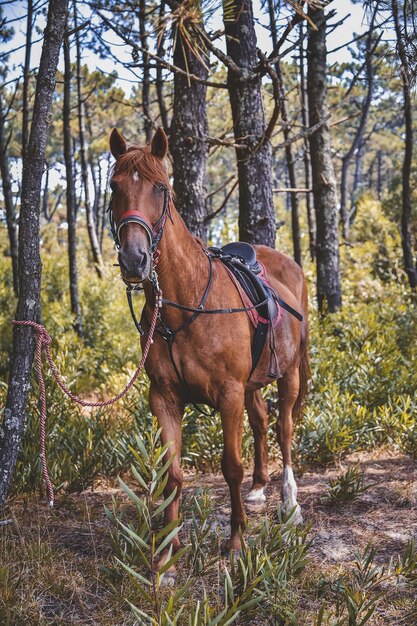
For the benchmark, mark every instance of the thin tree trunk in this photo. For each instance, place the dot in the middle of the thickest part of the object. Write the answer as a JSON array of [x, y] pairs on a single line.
[[159, 73], [357, 140], [147, 120], [292, 179], [311, 217], [410, 264], [70, 194], [379, 175], [91, 226], [254, 162], [30, 267], [283, 103], [26, 79], [12, 229], [189, 129], [329, 293]]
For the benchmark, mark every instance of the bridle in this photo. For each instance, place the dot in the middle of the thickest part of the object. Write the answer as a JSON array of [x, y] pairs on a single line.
[[154, 231]]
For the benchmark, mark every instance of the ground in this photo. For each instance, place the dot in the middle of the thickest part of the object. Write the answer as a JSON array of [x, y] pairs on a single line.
[[52, 561]]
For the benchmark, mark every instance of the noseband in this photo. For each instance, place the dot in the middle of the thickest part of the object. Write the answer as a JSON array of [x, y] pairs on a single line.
[[154, 232]]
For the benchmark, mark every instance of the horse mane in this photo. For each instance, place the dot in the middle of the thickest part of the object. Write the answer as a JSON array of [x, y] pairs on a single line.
[[140, 159]]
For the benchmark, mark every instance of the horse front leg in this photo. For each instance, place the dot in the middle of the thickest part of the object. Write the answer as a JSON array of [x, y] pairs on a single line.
[[288, 388], [231, 411], [168, 409]]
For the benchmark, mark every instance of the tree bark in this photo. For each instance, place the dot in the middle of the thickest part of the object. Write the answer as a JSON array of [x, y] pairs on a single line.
[[30, 267], [26, 79], [189, 129], [283, 105], [254, 162], [358, 138], [12, 229], [410, 264], [311, 217], [159, 73], [147, 120], [329, 293], [70, 195], [91, 225]]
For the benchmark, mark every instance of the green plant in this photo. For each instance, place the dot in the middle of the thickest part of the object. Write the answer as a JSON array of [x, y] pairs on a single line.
[[346, 487]]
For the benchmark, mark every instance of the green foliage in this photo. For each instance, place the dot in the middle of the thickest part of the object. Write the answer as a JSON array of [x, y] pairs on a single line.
[[346, 487], [357, 597], [258, 580]]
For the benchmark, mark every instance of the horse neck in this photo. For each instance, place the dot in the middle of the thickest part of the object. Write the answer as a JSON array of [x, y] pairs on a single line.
[[183, 267]]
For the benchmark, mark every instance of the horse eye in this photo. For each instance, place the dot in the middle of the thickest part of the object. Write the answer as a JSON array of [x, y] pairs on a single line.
[[113, 186]]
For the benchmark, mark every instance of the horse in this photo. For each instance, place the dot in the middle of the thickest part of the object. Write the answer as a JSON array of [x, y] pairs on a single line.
[[211, 355]]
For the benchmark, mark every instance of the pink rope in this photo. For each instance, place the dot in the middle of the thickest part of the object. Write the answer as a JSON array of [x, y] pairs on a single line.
[[43, 342]]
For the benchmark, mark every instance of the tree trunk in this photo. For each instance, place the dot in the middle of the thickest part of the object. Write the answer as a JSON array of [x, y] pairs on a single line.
[[358, 138], [189, 129], [283, 104], [91, 226], [26, 79], [311, 217], [8, 199], [292, 179], [30, 267], [70, 194], [147, 120], [379, 175], [329, 294], [159, 73], [410, 265], [254, 161]]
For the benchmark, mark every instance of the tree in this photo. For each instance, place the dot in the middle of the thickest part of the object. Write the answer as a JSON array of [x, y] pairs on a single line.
[[5, 35], [70, 193], [189, 126], [329, 293], [404, 43], [253, 147], [357, 143], [91, 224], [30, 267]]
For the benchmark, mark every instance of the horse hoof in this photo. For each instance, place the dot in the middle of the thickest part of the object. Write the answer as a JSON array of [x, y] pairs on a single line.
[[256, 496], [294, 514], [168, 579]]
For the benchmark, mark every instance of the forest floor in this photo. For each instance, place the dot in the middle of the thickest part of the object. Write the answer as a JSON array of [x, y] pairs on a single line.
[[51, 561]]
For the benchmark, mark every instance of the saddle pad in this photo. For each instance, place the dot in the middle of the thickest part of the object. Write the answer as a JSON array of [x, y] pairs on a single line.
[[248, 302]]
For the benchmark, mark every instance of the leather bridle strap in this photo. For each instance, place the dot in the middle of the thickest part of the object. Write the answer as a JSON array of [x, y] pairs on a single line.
[[136, 217], [154, 232]]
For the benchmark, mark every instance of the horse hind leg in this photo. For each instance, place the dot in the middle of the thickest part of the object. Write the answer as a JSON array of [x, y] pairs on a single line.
[[258, 420], [231, 411], [288, 389]]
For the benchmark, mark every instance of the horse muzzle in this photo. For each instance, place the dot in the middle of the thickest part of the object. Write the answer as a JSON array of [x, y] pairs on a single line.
[[135, 267]]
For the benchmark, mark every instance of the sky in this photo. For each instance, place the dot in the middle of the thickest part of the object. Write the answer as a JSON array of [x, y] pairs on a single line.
[[355, 22]]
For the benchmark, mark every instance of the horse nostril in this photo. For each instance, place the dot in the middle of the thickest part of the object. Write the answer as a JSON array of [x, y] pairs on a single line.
[[132, 264]]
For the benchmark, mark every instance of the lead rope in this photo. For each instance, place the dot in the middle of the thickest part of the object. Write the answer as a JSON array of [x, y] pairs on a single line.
[[43, 342]]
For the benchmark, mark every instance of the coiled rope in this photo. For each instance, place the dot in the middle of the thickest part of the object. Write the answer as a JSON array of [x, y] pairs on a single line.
[[43, 343]]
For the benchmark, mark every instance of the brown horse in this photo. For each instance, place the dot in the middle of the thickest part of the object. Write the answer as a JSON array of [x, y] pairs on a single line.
[[213, 353]]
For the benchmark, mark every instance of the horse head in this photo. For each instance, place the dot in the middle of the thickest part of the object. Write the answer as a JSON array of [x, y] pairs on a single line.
[[140, 202]]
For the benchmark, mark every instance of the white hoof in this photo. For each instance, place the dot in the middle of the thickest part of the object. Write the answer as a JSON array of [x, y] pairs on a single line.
[[289, 497], [256, 496], [294, 512], [168, 579]]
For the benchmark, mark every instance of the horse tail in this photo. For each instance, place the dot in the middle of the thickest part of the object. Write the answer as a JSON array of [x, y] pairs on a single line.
[[305, 375]]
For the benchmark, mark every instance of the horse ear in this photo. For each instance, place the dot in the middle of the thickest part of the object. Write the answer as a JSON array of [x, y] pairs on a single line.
[[159, 144], [117, 143]]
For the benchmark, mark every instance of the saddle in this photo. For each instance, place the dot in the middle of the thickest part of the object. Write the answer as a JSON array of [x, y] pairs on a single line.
[[241, 261]]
